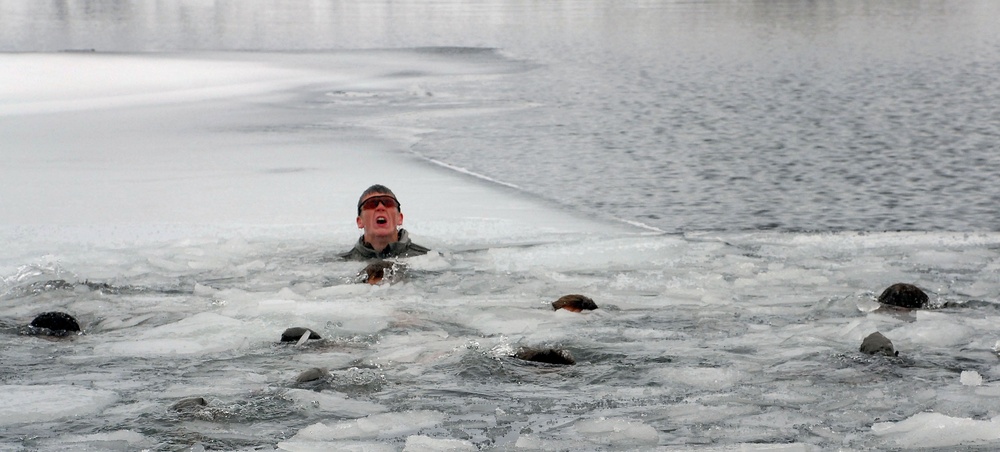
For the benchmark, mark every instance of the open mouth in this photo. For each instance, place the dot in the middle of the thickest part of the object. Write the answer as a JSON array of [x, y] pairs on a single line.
[[381, 220]]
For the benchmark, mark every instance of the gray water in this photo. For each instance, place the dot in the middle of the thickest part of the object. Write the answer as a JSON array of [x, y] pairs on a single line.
[[698, 344], [685, 116], [775, 141]]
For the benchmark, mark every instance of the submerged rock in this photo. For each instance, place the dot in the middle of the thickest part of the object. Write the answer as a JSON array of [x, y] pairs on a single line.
[[904, 295], [52, 324], [545, 355], [876, 343], [188, 404], [293, 334], [313, 374], [574, 303]]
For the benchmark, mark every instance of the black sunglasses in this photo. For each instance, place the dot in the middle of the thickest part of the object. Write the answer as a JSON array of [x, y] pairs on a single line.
[[388, 201]]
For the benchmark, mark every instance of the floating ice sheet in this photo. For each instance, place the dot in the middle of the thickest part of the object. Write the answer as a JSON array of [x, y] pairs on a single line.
[[938, 430], [22, 404]]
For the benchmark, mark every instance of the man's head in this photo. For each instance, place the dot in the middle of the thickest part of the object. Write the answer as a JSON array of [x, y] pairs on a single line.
[[379, 215], [574, 303]]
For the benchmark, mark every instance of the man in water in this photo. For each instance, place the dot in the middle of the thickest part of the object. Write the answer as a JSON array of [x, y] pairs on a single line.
[[380, 216]]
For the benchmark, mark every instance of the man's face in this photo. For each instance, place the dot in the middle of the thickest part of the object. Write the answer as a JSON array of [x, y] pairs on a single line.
[[378, 220]]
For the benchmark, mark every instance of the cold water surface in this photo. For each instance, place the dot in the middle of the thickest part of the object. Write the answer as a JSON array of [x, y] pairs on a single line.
[[182, 189], [698, 341], [685, 116]]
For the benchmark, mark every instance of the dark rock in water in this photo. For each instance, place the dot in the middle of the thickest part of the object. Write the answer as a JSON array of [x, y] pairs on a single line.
[[295, 333], [574, 303], [188, 404], [545, 355], [313, 374], [52, 324], [876, 343], [904, 295], [56, 320]]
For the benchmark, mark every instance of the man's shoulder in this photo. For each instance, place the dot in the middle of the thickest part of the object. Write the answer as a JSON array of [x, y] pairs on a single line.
[[353, 255], [402, 248], [405, 247], [359, 252], [412, 249]]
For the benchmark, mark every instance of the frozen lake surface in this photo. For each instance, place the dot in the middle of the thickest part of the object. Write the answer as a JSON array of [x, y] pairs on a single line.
[[183, 191]]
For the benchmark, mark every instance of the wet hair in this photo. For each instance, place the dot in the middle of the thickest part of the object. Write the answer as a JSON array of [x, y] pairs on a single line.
[[904, 295], [379, 189], [574, 302]]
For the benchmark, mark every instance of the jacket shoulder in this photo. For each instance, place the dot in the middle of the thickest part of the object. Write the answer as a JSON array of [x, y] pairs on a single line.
[[416, 250], [358, 253], [352, 255]]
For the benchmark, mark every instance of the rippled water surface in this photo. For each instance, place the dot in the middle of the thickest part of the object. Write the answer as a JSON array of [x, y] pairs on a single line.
[[709, 115]]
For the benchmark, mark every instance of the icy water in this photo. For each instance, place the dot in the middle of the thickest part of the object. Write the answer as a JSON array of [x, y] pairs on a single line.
[[733, 183], [692, 116]]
